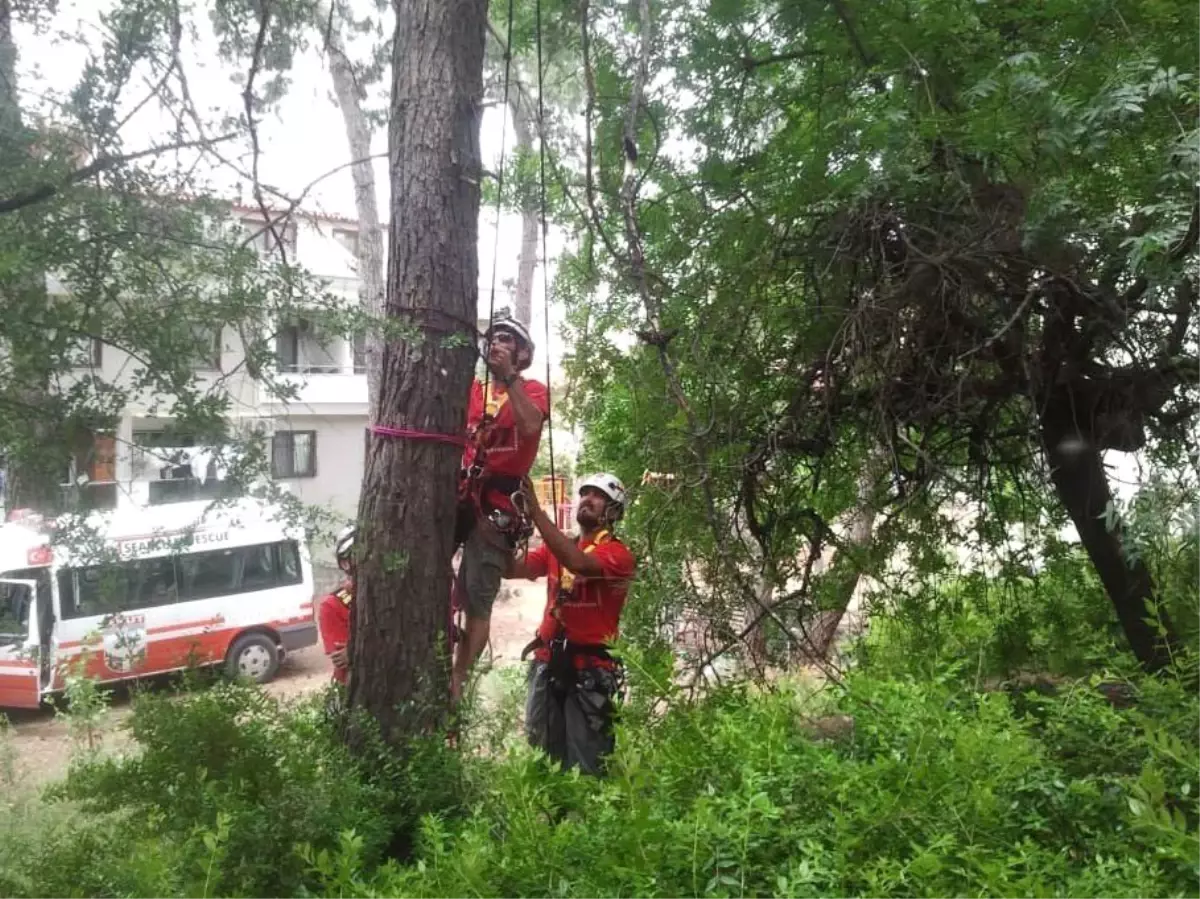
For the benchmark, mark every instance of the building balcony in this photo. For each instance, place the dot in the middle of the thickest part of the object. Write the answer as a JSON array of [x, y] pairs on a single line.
[[321, 388]]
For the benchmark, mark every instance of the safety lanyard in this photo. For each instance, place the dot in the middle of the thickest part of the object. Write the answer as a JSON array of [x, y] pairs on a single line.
[[566, 577], [492, 401]]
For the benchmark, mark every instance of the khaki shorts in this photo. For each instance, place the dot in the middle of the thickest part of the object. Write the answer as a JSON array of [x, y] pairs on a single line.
[[484, 558]]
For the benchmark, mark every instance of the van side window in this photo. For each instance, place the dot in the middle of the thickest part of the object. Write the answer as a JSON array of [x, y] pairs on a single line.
[[145, 583], [117, 587], [289, 563], [242, 569], [14, 611]]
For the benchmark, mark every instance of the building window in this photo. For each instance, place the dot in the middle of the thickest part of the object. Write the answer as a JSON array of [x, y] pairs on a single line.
[[287, 348], [93, 462], [294, 454], [265, 237], [348, 239], [208, 347], [302, 348], [87, 352], [90, 475]]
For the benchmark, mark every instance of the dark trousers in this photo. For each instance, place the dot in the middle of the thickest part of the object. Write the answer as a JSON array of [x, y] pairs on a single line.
[[572, 722]]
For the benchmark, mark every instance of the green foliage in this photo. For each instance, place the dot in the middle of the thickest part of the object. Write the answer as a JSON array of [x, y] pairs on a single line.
[[83, 704], [852, 216], [224, 787], [1058, 620], [933, 785], [938, 791]]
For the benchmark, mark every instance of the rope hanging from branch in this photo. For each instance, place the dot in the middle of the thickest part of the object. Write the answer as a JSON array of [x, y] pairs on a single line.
[[541, 122], [487, 372]]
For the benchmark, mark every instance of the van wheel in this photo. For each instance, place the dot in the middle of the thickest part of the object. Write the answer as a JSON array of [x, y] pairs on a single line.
[[254, 657]]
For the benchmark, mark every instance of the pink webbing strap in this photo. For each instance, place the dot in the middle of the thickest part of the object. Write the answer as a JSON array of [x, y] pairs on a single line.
[[407, 434]]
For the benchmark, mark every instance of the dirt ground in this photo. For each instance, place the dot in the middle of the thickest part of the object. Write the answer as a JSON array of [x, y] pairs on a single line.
[[37, 748]]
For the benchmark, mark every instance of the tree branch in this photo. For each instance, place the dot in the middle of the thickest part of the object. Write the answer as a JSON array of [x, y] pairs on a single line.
[[248, 102], [589, 79], [749, 63], [1177, 253], [103, 164], [868, 60], [1185, 300]]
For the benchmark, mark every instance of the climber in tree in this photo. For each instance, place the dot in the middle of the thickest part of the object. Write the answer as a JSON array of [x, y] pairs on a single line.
[[504, 427]]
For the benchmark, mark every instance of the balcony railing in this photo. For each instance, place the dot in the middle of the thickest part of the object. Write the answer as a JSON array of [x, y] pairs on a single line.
[[315, 368], [324, 383]]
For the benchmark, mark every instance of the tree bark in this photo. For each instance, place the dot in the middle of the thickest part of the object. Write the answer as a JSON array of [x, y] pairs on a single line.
[[1077, 471], [370, 236], [399, 672], [527, 262]]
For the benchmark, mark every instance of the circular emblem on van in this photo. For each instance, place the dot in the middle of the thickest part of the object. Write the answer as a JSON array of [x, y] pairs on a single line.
[[124, 639]]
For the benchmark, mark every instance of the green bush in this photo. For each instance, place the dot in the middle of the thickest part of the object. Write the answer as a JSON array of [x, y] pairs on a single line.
[[945, 785], [1058, 621], [226, 783], [940, 791]]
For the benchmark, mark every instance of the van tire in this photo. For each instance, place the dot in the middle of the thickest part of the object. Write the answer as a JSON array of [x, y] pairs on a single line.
[[254, 657]]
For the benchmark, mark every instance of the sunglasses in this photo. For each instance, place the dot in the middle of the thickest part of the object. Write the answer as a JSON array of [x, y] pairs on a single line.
[[504, 338]]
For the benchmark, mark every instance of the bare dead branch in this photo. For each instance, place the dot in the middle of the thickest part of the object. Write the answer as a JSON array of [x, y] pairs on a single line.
[[252, 125]]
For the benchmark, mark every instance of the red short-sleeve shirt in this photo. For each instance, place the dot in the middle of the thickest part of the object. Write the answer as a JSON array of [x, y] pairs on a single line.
[[593, 613], [333, 621], [507, 452]]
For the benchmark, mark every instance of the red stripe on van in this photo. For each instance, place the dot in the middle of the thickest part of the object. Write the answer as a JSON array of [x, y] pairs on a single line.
[[19, 691], [172, 653]]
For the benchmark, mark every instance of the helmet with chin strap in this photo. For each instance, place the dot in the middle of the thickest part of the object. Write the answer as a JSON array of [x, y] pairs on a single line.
[[343, 547], [503, 321], [610, 485]]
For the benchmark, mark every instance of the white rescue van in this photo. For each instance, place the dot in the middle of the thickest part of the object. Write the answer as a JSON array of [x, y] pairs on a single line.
[[142, 592]]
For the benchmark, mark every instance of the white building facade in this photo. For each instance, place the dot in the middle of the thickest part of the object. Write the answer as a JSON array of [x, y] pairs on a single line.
[[316, 436]]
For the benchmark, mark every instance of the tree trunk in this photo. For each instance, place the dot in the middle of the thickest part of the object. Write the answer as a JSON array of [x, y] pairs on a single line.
[[527, 261], [399, 672], [29, 451], [370, 236], [756, 642], [847, 568], [10, 107], [1077, 470]]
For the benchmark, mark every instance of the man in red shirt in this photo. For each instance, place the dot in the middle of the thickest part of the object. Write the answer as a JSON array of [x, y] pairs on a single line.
[[333, 613], [573, 680], [504, 424]]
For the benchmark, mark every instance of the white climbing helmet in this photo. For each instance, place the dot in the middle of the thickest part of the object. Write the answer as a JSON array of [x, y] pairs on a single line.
[[505, 322], [344, 545], [608, 484]]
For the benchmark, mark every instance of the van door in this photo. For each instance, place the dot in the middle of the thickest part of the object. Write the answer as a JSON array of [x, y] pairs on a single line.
[[19, 650]]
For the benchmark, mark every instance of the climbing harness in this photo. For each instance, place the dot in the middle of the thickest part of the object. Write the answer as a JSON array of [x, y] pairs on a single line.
[[563, 652]]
